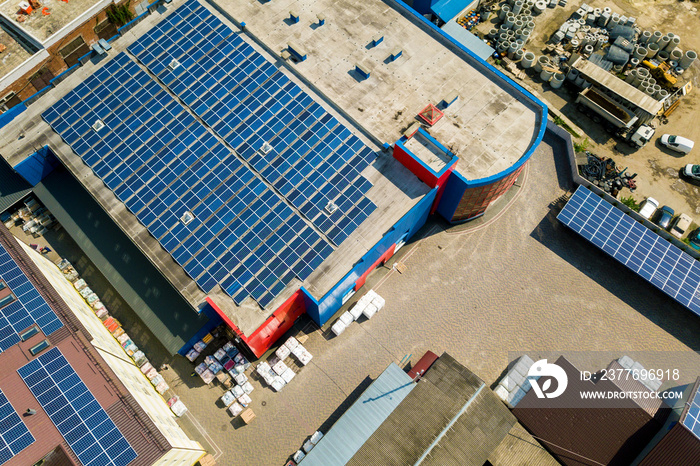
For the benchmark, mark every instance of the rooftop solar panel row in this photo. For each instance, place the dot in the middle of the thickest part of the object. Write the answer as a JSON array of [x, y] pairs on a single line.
[[75, 412], [14, 435], [162, 163], [692, 418], [641, 250], [248, 102], [27, 309]]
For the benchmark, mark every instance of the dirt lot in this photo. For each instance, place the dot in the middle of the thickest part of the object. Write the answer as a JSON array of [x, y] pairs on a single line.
[[656, 166]]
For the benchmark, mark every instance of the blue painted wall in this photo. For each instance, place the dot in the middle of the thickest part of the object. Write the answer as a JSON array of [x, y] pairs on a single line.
[[321, 311], [214, 321], [10, 115], [454, 190], [37, 166], [424, 6]]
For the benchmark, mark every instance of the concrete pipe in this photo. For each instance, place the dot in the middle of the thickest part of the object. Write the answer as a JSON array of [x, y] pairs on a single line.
[[649, 91], [662, 94], [512, 47], [644, 38], [676, 55], [652, 50], [503, 47], [509, 22], [590, 19], [662, 55], [639, 53], [557, 80], [528, 60], [656, 37], [546, 75], [688, 59], [541, 61], [493, 33], [614, 21], [505, 9], [572, 75], [618, 68], [530, 25], [588, 49], [518, 7], [607, 9], [580, 82], [679, 70], [539, 7], [643, 73], [629, 79], [637, 81], [574, 44], [673, 63], [503, 37], [518, 25], [518, 55], [525, 36], [675, 42], [633, 63], [663, 42], [651, 82], [519, 43]]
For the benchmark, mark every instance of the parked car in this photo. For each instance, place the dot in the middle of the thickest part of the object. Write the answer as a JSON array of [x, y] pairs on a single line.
[[664, 217], [681, 225], [692, 171], [649, 207], [694, 239], [677, 143]]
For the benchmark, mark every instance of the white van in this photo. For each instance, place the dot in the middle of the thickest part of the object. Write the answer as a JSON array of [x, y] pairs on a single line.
[[677, 143]]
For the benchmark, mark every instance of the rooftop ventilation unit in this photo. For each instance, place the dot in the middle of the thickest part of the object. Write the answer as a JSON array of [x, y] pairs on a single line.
[[187, 217], [266, 148], [331, 207], [98, 125], [174, 64]]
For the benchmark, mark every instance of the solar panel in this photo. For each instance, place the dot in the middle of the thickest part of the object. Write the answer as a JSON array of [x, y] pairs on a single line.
[[641, 250], [692, 417], [27, 309], [75, 412], [14, 435]]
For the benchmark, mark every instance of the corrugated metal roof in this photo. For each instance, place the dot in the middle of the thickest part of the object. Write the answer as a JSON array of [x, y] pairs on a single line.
[[360, 421], [12, 186], [448, 9], [679, 446], [469, 40], [618, 86], [451, 417]]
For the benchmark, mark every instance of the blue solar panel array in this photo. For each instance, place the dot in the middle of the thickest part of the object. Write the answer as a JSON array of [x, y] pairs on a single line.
[[314, 159], [14, 435], [75, 412], [644, 252], [29, 307], [163, 163], [692, 418]]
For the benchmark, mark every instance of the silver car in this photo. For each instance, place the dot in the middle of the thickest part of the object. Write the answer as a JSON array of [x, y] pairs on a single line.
[[692, 171]]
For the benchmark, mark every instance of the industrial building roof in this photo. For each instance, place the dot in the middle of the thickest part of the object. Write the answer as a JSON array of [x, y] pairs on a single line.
[[14, 54], [618, 86], [42, 25], [451, 417], [362, 419], [81, 408], [581, 431], [371, 192], [480, 48], [448, 9], [490, 127]]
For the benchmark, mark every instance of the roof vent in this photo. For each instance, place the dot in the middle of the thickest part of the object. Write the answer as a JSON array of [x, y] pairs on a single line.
[[187, 217], [331, 207], [98, 125], [174, 64], [266, 148]]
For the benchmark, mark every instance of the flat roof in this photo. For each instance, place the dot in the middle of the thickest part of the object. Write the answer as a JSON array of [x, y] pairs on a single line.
[[618, 86], [14, 54], [489, 127], [394, 191], [44, 26]]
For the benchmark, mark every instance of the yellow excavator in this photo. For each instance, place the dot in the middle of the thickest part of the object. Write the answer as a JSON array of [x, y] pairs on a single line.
[[661, 72]]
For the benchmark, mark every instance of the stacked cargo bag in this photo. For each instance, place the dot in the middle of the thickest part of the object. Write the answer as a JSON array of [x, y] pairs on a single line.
[[235, 409], [308, 446], [291, 343], [370, 310], [283, 352], [228, 398], [241, 379], [356, 311], [278, 383], [176, 406], [288, 375], [280, 367], [247, 388], [244, 400], [338, 327]]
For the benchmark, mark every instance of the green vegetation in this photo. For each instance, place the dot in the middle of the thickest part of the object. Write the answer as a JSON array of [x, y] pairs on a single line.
[[631, 203], [581, 146], [119, 15], [560, 122]]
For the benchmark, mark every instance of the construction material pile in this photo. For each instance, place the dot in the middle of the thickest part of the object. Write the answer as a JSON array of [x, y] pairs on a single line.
[[604, 173]]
